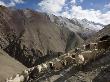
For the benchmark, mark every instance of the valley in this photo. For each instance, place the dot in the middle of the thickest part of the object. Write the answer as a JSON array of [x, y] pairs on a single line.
[[29, 38]]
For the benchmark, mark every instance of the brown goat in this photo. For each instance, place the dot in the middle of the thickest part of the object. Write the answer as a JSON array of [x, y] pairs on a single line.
[[89, 55], [69, 60], [58, 65], [87, 47], [93, 46]]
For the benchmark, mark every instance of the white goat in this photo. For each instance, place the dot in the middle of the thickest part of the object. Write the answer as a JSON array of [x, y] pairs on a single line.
[[79, 59], [39, 67], [16, 79], [21, 78], [56, 59], [68, 54], [26, 72], [44, 66]]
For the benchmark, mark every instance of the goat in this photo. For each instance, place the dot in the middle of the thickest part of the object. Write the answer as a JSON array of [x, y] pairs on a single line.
[[84, 47], [9, 79], [56, 59], [34, 73], [16, 79], [58, 65], [86, 56], [90, 46], [68, 54], [26, 73], [93, 46], [77, 50], [39, 67], [44, 67], [51, 65], [79, 59], [73, 55], [68, 60], [22, 78], [64, 63]]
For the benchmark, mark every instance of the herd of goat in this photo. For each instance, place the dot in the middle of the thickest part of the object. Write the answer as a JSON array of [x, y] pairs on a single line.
[[80, 56]]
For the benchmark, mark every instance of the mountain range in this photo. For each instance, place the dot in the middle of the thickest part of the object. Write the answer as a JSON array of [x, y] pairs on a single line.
[[33, 37]]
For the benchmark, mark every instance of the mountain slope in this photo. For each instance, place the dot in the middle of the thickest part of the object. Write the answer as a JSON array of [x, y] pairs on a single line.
[[9, 66], [94, 71], [28, 36], [75, 25], [91, 25], [83, 27], [101, 33]]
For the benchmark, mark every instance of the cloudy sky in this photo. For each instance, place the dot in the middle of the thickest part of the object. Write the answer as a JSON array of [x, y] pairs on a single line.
[[92, 10]]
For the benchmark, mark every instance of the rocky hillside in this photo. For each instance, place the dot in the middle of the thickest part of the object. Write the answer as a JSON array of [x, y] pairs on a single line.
[[91, 25], [9, 66], [33, 37], [93, 71], [76, 25], [100, 33], [30, 36], [97, 71], [83, 27], [27, 35]]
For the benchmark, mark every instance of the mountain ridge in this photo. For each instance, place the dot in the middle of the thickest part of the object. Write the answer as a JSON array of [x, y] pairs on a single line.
[[28, 34]]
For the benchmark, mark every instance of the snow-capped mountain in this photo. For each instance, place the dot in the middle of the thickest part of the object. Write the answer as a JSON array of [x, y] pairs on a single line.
[[91, 25], [76, 25]]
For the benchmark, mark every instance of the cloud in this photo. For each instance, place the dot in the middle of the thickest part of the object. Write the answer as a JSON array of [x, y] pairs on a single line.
[[18, 1], [71, 10], [73, 1], [79, 13], [107, 5], [51, 6], [7, 5], [89, 14], [2, 3], [11, 3]]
